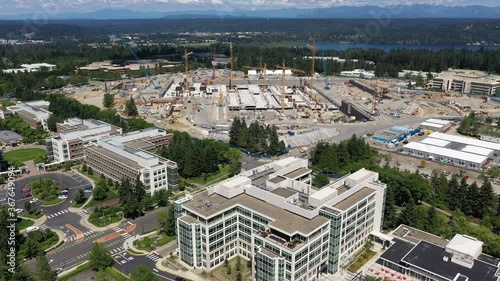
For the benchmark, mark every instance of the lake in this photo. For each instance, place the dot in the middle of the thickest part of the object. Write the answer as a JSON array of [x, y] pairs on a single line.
[[389, 47]]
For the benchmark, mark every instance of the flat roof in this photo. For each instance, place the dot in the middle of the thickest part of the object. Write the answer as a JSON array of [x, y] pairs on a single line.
[[283, 220], [283, 192], [138, 143], [10, 136], [477, 150], [438, 121], [297, 173], [116, 157], [277, 179], [268, 253], [398, 249], [188, 219], [434, 125], [429, 257], [435, 142], [466, 245], [465, 140], [354, 198], [450, 153], [415, 235]]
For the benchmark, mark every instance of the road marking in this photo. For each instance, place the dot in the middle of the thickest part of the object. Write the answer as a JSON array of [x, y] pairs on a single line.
[[155, 270]]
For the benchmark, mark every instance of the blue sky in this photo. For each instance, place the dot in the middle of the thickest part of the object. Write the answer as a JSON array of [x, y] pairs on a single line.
[[63, 6]]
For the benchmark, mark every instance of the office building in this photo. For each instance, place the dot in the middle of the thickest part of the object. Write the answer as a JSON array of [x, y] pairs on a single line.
[[10, 138], [466, 81], [274, 217], [422, 256], [34, 67], [358, 73], [119, 158], [35, 113], [74, 134]]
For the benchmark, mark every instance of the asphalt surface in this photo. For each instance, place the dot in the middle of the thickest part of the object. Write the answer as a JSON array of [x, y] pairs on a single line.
[[126, 263]]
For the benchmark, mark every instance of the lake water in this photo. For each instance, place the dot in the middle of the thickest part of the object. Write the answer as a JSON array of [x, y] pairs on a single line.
[[389, 47]]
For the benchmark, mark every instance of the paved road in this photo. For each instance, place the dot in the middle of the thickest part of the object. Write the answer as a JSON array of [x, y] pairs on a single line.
[[126, 263]]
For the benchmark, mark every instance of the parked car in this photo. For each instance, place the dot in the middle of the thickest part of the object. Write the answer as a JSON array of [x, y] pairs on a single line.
[[63, 196], [34, 200], [26, 190], [32, 228], [27, 195]]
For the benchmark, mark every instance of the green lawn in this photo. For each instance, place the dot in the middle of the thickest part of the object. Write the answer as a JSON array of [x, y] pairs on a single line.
[[33, 216], [146, 243], [213, 178], [110, 195], [6, 103], [52, 202], [24, 223], [17, 157]]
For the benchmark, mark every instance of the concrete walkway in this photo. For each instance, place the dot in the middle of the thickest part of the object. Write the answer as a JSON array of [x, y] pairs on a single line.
[[185, 274], [129, 243]]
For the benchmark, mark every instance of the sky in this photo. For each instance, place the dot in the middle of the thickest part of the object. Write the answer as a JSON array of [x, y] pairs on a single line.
[[12, 7]]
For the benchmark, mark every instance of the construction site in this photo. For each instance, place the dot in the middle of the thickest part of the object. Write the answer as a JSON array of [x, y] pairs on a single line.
[[203, 102]]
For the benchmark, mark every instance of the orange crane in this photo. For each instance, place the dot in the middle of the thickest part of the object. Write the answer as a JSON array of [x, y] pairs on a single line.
[[186, 55], [260, 68], [283, 84], [311, 92]]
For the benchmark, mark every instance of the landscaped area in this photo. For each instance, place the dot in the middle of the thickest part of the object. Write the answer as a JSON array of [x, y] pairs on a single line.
[[210, 179], [37, 242], [45, 189], [363, 258], [235, 269], [106, 215], [147, 243], [18, 156], [24, 223], [109, 195]]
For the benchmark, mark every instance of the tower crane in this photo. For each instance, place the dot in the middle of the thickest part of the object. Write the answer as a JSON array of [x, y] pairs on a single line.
[[313, 49], [264, 69], [324, 70], [283, 84], [214, 63], [146, 72], [374, 96], [186, 55]]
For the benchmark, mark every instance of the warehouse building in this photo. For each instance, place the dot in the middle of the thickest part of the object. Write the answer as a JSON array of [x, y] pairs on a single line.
[[418, 255], [449, 156], [436, 125], [272, 216], [462, 141], [127, 157]]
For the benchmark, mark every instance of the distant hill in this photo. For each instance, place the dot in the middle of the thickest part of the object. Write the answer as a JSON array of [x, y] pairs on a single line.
[[400, 11]]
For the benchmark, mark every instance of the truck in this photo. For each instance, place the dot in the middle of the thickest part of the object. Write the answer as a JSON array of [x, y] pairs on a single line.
[[291, 133], [302, 149]]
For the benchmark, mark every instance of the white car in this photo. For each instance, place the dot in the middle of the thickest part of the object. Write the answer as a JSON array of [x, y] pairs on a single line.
[[19, 211], [34, 200], [63, 197]]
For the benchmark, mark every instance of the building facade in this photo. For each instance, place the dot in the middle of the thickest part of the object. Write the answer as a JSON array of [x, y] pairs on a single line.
[[117, 160], [467, 81], [35, 113], [74, 134], [274, 217]]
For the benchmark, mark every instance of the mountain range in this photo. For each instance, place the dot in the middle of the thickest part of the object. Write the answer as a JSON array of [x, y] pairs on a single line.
[[356, 12]]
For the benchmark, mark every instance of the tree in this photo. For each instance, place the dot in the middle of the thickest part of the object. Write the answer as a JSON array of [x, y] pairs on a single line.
[[79, 196], [235, 131], [143, 273], [90, 171], [166, 221], [108, 101], [409, 215], [99, 257], [160, 197], [320, 180], [432, 223], [229, 270], [28, 207], [131, 108], [454, 197], [470, 202], [486, 200], [32, 248], [43, 270], [390, 218], [84, 167], [99, 193], [234, 168]]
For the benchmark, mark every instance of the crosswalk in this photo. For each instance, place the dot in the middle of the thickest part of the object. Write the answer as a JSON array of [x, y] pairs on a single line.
[[88, 232], [43, 227], [57, 214], [122, 232], [154, 257], [83, 213], [116, 250]]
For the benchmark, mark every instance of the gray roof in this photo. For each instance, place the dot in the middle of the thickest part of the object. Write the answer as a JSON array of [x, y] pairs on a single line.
[[284, 220], [297, 173], [284, 192], [354, 198], [7, 136], [116, 157]]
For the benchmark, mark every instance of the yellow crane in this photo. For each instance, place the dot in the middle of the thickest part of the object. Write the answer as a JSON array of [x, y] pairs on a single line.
[[283, 84], [374, 84], [260, 68], [311, 91], [186, 55]]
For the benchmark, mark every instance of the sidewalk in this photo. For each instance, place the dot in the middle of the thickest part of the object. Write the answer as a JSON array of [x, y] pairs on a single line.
[[84, 222], [129, 243], [184, 274]]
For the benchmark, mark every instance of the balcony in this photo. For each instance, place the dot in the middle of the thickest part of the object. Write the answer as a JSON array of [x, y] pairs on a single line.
[[293, 244]]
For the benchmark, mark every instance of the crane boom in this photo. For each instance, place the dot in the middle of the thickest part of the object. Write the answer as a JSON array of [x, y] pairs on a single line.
[[146, 72], [324, 71], [313, 49]]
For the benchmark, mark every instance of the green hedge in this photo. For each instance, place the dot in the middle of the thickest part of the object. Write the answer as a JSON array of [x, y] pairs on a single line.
[[84, 267]]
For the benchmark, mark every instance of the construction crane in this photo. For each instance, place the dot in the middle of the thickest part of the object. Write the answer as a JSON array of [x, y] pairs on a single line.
[[186, 55], [214, 63], [374, 85], [231, 73], [221, 98], [264, 69], [146, 72], [313, 49], [283, 84], [324, 70]]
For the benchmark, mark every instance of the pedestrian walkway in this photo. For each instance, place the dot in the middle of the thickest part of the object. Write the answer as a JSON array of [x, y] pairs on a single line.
[[154, 257], [117, 250], [57, 214], [122, 232], [43, 227], [83, 213]]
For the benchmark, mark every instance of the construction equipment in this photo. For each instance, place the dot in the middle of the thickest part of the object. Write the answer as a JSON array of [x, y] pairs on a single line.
[[313, 49], [146, 72], [283, 85], [264, 69], [186, 77], [374, 96], [214, 63], [327, 87]]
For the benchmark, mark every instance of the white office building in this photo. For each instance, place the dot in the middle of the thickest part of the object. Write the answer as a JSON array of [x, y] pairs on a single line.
[[35, 113], [274, 217]]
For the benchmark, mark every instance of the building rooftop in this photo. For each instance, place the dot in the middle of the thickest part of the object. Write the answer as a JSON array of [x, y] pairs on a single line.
[[269, 253], [398, 249], [466, 245], [435, 142], [466, 140], [284, 192], [354, 198], [137, 143], [118, 158], [429, 257], [477, 150], [6, 136], [277, 179], [286, 221], [297, 173], [415, 235], [450, 153]]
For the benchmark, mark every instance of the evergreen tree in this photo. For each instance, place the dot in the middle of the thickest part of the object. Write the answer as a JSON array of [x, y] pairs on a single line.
[[234, 167], [409, 216], [486, 200], [390, 218], [454, 196], [131, 108], [432, 222], [108, 101], [469, 205], [274, 146], [143, 273], [235, 131], [343, 155], [43, 270], [243, 139], [320, 180]]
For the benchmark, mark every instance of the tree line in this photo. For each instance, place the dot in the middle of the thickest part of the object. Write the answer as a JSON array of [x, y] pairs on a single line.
[[256, 138]]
